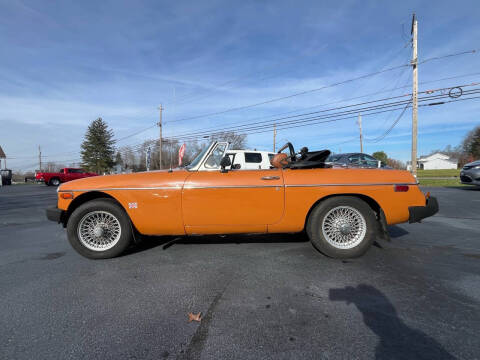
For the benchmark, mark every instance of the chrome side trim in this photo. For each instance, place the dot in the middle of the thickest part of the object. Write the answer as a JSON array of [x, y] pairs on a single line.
[[232, 186], [126, 188], [365, 184]]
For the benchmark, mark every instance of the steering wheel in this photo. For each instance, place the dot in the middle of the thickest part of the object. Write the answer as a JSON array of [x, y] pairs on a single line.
[[291, 150]]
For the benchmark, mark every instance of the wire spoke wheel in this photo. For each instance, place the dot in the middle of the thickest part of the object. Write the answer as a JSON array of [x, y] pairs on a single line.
[[99, 230], [344, 227]]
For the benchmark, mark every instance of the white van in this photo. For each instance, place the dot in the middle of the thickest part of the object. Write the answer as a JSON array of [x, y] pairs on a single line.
[[250, 159]]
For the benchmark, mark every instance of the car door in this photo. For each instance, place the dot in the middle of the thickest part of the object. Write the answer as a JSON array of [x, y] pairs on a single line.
[[72, 174], [233, 201]]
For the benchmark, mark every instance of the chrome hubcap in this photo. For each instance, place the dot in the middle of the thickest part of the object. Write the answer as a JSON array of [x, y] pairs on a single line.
[[99, 230], [344, 227]]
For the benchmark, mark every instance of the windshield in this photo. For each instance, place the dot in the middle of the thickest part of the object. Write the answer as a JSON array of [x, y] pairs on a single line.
[[333, 158], [198, 158]]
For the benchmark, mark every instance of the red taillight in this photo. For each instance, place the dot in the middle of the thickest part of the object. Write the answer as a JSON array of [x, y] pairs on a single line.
[[401, 188]]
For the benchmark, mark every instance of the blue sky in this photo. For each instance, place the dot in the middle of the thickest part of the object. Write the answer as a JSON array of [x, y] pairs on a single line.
[[65, 63]]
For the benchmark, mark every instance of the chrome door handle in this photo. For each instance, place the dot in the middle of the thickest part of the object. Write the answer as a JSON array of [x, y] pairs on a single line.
[[271, 178]]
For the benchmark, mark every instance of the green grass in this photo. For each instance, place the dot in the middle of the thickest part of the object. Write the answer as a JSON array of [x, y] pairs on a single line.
[[438, 173], [440, 182]]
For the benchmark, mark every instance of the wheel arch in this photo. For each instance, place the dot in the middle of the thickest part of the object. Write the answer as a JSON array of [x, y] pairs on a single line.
[[93, 195], [85, 197], [374, 205]]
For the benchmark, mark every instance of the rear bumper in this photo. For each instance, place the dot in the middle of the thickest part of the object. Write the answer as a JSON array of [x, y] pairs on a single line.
[[417, 213], [55, 214]]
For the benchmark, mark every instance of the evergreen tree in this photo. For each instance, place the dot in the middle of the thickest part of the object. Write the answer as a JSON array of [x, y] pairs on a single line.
[[97, 147]]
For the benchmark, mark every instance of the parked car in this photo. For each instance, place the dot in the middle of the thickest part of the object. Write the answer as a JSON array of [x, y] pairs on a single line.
[[341, 209], [250, 159], [470, 173], [65, 174], [355, 160]]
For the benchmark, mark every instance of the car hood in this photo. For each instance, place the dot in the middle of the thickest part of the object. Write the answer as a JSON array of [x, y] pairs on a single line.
[[473, 163], [151, 179]]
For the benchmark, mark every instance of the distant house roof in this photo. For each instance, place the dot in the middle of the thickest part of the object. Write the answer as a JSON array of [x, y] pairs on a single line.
[[2, 154], [437, 155]]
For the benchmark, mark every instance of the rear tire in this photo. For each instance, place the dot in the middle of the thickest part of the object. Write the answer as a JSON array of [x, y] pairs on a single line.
[[342, 227], [99, 229]]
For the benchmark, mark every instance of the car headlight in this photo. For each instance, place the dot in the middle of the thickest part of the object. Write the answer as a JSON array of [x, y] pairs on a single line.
[[476, 167]]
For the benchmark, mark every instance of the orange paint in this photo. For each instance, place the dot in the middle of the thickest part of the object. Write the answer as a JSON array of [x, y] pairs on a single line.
[[239, 201]]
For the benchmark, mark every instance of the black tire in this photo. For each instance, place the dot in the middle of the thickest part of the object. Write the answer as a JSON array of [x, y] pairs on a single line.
[[318, 231], [54, 182], [105, 206]]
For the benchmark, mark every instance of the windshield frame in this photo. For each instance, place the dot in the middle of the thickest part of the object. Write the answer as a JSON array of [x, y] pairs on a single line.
[[198, 159]]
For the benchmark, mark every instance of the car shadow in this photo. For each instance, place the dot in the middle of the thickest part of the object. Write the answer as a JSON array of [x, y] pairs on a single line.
[[150, 242], [396, 231], [396, 339]]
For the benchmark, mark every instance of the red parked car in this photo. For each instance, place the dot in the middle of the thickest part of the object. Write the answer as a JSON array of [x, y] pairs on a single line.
[[65, 174]]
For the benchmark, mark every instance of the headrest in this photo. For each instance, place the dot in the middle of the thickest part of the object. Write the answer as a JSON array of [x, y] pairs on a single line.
[[279, 161]]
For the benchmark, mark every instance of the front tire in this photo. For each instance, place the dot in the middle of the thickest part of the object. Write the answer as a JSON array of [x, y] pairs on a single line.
[[342, 227], [99, 229]]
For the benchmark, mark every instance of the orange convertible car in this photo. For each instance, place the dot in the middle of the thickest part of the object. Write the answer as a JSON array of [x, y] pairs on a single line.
[[342, 210]]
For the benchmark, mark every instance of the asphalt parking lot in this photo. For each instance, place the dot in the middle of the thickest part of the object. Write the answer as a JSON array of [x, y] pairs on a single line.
[[262, 297]]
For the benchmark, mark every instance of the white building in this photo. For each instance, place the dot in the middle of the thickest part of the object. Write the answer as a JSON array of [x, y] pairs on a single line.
[[436, 161]]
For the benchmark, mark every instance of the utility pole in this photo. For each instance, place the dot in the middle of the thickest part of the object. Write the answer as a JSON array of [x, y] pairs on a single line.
[[160, 140], [40, 158], [414, 95], [147, 159], [359, 122], [274, 136]]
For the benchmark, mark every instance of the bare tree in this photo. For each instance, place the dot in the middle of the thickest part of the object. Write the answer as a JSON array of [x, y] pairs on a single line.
[[237, 141], [396, 164]]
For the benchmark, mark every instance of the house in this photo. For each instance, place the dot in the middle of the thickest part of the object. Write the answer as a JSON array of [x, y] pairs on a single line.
[[435, 161], [3, 156]]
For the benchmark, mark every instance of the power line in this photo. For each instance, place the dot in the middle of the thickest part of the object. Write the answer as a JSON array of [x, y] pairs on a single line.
[[276, 120], [246, 124], [291, 96], [381, 137], [319, 120], [196, 98], [254, 128], [136, 133], [320, 88], [189, 97], [330, 103], [385, 134], [343, 100], [449, 55]]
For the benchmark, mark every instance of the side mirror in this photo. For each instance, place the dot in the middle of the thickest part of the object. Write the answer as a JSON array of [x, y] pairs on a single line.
[[224, 163]]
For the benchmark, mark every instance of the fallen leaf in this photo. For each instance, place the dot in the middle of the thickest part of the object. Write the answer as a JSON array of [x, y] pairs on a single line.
[[194, 317]]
